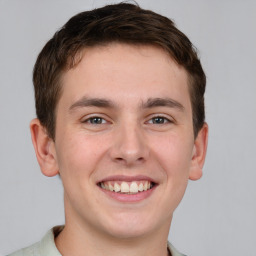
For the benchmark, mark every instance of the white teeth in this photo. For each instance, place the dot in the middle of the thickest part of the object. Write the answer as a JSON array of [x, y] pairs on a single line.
[[134, 187], [127, 187], [141, 187], [111, 188], [117, 187]]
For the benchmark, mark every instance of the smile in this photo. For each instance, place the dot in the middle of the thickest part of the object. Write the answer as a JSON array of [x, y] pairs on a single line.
[[123, 187]]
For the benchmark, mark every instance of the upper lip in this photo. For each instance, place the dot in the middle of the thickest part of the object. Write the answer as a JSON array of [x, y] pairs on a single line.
[[126, 178]]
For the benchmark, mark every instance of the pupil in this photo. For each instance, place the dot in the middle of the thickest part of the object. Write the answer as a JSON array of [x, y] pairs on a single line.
[[158, 120], [96, 120]]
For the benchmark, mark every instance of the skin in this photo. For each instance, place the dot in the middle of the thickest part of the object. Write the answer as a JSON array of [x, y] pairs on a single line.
[[143, 127]]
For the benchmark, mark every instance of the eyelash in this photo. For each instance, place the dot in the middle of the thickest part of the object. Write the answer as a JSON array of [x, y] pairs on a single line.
[[159, 117], [155, 120], [90, 120]]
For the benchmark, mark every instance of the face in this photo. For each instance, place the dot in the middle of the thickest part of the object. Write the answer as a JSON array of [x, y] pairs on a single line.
[[124, 143]]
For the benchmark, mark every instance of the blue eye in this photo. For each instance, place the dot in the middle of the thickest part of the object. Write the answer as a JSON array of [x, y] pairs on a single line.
[[159, 120], [96, 120]]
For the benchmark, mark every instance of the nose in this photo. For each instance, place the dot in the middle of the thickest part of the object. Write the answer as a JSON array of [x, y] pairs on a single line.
[[129, 145]]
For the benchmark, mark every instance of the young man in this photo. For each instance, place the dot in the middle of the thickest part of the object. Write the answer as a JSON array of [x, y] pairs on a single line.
[[120, 117]]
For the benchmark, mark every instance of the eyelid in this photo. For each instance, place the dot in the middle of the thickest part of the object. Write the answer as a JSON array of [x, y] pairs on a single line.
[[86, 118], [166, 117]]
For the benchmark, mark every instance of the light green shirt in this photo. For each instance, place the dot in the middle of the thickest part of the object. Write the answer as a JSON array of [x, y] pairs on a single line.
[[47, 247]]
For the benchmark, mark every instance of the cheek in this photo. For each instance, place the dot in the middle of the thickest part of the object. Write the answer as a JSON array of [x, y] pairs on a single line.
[[79, 154], [174, 154], [77, 161]]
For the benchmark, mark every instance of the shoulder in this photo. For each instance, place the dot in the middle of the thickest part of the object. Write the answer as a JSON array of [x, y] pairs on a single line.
[[32, 250], [45, 247]]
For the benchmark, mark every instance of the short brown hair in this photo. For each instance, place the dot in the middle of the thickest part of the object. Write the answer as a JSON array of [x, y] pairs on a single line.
[[124, 23]]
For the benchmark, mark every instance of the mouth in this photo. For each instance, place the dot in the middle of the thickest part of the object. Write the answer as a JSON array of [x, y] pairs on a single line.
[[127, 187]]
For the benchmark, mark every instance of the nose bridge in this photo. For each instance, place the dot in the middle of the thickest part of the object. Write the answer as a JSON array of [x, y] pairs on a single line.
[[129, 144]]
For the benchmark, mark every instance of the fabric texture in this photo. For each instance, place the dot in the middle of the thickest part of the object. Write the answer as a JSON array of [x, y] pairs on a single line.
[[47, 247]]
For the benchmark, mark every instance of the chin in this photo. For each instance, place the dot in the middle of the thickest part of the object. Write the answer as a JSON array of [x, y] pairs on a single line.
[[129, 233], [130, 227]]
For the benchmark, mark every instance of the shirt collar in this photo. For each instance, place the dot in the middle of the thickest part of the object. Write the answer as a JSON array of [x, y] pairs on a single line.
[[48, 247], [174, 251]]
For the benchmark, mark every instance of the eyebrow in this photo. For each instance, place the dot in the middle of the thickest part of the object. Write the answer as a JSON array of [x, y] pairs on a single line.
[[103, 103], [163, 102], [92, 102]]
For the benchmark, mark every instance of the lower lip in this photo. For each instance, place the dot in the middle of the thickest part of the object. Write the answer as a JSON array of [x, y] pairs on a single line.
[[129, 198]]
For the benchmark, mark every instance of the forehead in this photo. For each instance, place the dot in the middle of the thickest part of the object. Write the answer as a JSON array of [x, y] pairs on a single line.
[[125, 72]]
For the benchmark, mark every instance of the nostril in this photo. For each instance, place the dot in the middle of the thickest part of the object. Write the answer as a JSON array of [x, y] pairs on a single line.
[[129, 160]]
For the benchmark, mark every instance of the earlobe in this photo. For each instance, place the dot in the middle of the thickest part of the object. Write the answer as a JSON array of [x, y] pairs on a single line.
[[44, 149], [199, 153]]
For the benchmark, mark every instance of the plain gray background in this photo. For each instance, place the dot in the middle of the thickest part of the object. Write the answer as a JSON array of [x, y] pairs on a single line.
[[218, 213]]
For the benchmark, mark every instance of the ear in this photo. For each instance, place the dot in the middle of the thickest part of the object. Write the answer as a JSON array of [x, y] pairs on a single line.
[[45, 149], [199, 153]]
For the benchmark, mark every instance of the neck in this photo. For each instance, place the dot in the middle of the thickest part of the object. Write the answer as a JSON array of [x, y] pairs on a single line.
[[85, 238], [82, 240]]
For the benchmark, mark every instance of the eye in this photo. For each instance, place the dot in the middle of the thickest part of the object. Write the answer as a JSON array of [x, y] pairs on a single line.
[[159, 120], [95, 120]]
